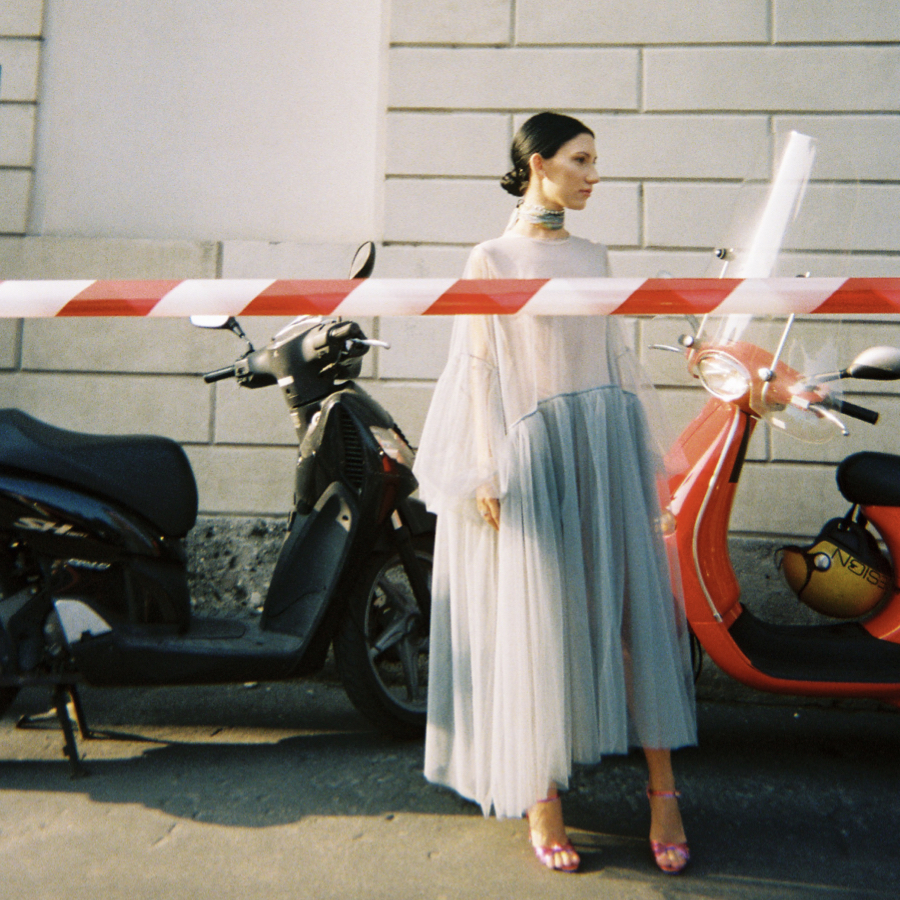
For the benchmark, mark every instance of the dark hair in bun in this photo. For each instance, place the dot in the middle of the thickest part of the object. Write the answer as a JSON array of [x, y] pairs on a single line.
[[543, 134]]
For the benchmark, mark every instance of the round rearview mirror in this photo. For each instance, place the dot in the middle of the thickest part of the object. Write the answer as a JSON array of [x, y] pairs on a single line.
[[875, 364], [210, 321], [364, 261]]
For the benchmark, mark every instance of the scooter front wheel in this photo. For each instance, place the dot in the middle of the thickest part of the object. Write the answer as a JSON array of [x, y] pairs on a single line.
[[381, 648]]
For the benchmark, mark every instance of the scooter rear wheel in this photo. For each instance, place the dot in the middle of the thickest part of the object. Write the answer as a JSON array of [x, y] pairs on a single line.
[[8, 694], [381, 647]]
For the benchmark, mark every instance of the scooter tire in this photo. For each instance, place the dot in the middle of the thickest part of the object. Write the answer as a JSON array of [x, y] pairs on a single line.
[[8, 694], [381, 646]]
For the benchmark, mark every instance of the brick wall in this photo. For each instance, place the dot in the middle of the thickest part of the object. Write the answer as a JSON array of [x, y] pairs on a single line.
[[680, 97], [20, 30]]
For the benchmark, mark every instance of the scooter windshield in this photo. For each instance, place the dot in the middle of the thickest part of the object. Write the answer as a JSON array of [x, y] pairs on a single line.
[[793, 217]]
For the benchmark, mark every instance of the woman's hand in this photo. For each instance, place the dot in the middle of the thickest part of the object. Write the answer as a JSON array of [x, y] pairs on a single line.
[[488, 506]]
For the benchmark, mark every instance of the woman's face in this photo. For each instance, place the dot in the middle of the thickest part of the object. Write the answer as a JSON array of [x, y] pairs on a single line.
[[568, 177]]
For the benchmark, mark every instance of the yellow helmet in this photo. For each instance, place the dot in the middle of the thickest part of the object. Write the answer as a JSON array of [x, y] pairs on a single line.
[[842, 574]]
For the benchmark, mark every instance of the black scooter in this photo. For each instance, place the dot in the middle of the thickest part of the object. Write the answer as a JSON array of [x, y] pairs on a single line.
[[93, 576]]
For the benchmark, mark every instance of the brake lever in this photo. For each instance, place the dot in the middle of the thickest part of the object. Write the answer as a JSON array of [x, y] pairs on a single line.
[[827, 414]]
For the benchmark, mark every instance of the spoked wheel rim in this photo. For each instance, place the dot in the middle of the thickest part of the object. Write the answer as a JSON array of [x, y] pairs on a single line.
[[396, 632]]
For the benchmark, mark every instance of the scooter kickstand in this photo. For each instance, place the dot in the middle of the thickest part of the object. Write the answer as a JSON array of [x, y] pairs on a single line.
[[83, 727], [70, 749]]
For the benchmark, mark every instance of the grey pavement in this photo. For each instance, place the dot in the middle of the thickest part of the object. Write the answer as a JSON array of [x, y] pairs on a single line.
[[281, 791]]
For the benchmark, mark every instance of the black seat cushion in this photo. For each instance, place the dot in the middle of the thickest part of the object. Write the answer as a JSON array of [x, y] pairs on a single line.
[[151, 475], [870, 479]]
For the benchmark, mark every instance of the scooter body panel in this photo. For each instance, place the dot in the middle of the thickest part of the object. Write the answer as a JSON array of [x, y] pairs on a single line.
[[210, 651], [310, 564], [92, 547], [93, 575], [885, 623], [701, 503], [848, 660]]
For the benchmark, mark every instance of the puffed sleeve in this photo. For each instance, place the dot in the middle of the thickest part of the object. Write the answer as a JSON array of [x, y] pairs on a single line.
[[464, 429]]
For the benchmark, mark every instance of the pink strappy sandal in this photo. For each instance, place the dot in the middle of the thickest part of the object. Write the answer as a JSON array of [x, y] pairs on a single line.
[[662, 851], [545, 855]]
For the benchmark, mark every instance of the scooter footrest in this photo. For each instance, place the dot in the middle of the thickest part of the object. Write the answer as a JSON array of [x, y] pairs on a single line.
[[843, 652]]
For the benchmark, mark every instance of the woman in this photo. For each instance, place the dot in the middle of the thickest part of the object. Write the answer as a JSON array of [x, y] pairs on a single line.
[[555, 638]]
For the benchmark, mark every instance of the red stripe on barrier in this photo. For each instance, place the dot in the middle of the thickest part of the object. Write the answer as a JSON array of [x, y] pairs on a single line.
[[686, 296], [118, 298], [485, 297], [495, 296], [864, 295], [297, 298]]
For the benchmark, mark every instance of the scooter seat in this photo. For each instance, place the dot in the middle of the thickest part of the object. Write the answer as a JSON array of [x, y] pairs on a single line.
[[149, 474], [870, 479]]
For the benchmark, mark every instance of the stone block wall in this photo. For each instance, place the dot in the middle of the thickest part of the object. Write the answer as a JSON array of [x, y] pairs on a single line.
[[684, 100], [681, 98], [20, 30]]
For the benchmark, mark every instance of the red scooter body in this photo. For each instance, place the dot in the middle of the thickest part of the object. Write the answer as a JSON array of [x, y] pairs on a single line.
[[858, 658]]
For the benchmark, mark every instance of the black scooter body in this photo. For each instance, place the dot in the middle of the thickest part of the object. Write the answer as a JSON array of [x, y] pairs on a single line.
[[92, 561]]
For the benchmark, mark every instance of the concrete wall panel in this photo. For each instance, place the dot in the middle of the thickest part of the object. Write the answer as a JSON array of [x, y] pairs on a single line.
[[253, 417], [15, 189], [834, 21], [851, 79], [74, 257], [244, 480], [651, 22], [681, 147], [450, 21], [851, 147], [172, 406], [21, 18], [126, 345], [418, 346], [19, 61], [443, 78], [9, 343], [414, 261], [448, 145], [17, 134], [786, 499]]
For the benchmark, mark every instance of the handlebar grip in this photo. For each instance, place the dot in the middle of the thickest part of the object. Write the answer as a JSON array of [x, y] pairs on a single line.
[[219, 374], [856, 412]]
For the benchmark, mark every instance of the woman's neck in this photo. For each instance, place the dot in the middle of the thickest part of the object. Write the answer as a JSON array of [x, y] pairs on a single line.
[[548, 230]]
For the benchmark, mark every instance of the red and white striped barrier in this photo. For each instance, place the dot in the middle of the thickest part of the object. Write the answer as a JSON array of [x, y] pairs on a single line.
[[440, 297]]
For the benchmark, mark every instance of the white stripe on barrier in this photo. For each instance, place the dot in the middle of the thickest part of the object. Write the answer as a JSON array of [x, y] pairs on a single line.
[[582, 296], [222, 297], [393, 296], [779, 296], [23, 299]]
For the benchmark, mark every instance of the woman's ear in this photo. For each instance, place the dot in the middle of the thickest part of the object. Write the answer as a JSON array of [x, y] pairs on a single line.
[[536, 164]]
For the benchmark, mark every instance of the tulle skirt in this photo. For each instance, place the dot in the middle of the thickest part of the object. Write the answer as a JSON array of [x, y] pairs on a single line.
[[557, 640]]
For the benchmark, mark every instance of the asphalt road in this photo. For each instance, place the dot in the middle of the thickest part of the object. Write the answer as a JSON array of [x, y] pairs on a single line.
[[281, 791]]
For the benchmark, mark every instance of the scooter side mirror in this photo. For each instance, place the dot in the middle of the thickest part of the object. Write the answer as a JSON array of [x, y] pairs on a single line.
[[226, 323], [211, 321], [363, 261], [875, 364]]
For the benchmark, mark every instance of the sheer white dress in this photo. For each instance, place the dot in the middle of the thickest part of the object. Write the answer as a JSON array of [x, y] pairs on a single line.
[[560, 638]]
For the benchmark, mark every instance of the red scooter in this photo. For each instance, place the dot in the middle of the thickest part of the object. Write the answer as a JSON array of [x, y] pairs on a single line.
[[843, 573], [759, 368]]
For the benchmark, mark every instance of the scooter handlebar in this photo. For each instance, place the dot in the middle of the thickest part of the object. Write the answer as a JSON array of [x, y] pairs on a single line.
[[219, 374], [854, 411]]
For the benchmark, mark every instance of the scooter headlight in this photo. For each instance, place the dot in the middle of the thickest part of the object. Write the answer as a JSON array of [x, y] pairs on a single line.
[[723, 376], [393, 446]]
